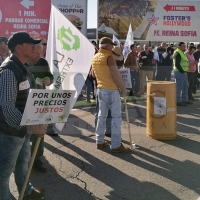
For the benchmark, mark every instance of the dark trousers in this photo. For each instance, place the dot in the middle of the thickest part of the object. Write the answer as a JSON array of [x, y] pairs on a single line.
[[196, 83], [163, 74], [192, 83], [40, 151], [135, 82], [89, 87], [159, 73], [166, 74]]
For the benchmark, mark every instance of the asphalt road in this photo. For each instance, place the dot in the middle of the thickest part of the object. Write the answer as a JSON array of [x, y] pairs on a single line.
[[157, 170]]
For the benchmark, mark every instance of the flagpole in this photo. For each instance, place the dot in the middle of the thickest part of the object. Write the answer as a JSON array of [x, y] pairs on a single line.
[[21, 196], [97, 32]]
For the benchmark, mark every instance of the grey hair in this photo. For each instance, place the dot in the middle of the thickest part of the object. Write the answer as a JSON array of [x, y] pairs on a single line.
[[39, 45], [103, 46]]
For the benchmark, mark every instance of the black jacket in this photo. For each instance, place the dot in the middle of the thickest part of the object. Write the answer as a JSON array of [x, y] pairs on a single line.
[[21, 75], [168, 62], [146, 60], [41, 70]]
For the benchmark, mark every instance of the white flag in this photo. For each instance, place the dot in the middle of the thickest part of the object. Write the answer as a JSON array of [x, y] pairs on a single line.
[[116, 40], [129, 41], [69, 54]]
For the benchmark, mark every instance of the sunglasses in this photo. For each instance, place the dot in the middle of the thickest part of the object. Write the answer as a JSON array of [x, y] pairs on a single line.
[[44, 44]]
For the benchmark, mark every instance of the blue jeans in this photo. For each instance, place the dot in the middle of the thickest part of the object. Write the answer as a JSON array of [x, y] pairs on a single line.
[[14, 157], [182, 86], [109, 99], [108, 119], [135, 82]]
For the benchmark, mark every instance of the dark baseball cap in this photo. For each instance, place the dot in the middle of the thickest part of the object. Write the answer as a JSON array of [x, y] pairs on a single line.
[[20, 38], [107, 40], [3, 39]]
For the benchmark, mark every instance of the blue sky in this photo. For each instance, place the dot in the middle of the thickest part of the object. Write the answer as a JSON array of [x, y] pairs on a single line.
[[92, 14]]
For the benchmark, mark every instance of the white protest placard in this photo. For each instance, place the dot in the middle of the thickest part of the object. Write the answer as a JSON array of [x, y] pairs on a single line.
[[160, 106], [126, 77], [69, 54], [164, 55], [47, 106]]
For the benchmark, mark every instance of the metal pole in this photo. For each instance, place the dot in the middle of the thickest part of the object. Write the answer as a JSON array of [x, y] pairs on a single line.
[[128, 124]]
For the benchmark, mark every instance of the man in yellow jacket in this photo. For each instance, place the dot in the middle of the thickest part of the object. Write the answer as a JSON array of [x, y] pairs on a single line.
[[180, 65], [109, 81]]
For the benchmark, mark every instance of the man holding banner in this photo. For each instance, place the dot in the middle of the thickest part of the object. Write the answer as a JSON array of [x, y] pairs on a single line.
[[39, 69], [15, 139], [108, 82]]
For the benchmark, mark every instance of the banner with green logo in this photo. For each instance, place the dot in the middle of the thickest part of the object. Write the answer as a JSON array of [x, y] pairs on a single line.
[[69, 54]]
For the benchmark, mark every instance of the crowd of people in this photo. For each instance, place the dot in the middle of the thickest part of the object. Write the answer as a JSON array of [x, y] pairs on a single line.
[[159, 64], [23, 66]]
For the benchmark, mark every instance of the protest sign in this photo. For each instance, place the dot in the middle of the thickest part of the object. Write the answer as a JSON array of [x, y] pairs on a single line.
[[47, 106], [126, 77], [160, 106]]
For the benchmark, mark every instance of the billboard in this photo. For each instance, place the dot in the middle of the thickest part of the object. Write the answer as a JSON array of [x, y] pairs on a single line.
[[151, 20], [92, 33], [33, 16], [75, 11]]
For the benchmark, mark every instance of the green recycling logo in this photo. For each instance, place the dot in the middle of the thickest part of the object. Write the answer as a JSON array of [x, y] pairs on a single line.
[[67, 39]]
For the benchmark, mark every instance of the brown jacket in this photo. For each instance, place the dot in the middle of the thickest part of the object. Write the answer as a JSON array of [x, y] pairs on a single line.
[[131, 61]]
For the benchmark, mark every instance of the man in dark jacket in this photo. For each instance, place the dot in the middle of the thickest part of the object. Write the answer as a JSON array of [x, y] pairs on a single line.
[[167, 65], [14, 138], [161, 49], [146, 62], [40, 71]]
